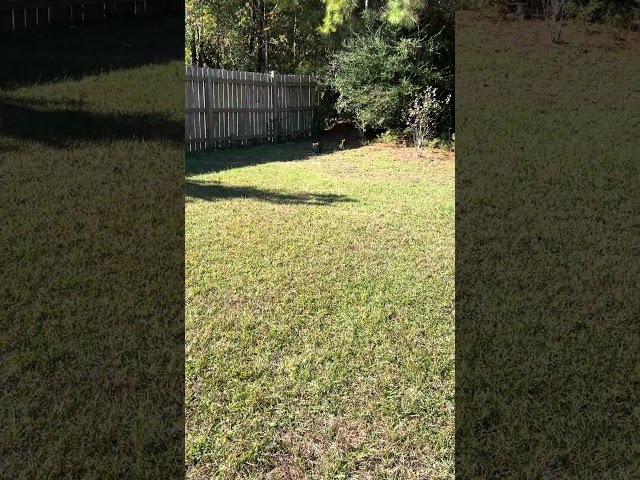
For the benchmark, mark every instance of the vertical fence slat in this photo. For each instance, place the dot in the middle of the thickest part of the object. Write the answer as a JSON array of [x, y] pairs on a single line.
[[209, 97], [186, 105], [202, 89], [198, 118], [216, 102], [228, 97], [251, 116], [233, 102], [237, 95]]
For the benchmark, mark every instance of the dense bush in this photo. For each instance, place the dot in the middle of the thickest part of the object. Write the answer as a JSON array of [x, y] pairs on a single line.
[[379, 74]]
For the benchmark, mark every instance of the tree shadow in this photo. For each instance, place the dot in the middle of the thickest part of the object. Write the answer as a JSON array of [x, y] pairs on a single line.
[[239, 157], [341, 136], [68, 123], [204, 162], [217, 191], [34, 57]]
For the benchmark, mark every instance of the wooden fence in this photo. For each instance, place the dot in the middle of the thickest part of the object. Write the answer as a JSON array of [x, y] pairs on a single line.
[[224, 107], [31, 14]]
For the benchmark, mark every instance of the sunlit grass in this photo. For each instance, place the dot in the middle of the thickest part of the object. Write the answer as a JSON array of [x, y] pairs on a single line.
[[319, 310], [91, 327], [546, 242]]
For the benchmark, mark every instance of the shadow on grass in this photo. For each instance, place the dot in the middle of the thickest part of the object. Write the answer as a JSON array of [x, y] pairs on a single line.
[[69, 123], [34, 57], [217, 191], [240, 157], [342, 136], [201, 163]]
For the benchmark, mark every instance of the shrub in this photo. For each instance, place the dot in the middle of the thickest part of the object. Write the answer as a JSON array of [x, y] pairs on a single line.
[[427, 113], [378, 75], [604, 11], [555, 15], [389, 136]]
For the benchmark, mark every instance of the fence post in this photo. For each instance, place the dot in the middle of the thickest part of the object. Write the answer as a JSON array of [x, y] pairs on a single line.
[[313, 94], [209, 99], [274, 107]]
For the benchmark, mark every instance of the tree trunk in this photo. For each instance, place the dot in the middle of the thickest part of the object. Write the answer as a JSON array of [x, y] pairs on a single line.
[[295, 32], [200, 57], [266, 52], [194, 55], [260, 36]]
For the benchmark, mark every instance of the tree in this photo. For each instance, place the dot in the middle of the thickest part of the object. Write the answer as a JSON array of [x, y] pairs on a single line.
[[407, 13], [555, 15], [336, 41], [257, 35], [379, 73]]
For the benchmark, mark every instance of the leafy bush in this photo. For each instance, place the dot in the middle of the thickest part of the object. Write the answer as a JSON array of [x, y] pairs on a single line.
[[425, 115], [378, 75], [603, 10], [389, 136]]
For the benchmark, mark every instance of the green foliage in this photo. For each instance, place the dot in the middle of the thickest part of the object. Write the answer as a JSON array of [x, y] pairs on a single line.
[[594, 11], [257, 35], [389, 136], [336, 11], [372, 56], [374, 79], [409, 13], [406, 13], [379, 74], [602, 10], [426, 115]]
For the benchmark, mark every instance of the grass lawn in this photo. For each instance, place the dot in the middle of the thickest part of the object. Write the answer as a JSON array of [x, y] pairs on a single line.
[[319, 314], [546, 250], [91, 333]]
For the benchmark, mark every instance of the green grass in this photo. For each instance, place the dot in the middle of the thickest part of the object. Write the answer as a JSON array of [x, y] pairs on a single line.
[[546, 251], [319, 314], [92, 220], [32, 57]]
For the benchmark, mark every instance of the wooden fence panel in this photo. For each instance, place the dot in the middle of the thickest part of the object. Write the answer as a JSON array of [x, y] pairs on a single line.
[[18, 15], [225, 108]]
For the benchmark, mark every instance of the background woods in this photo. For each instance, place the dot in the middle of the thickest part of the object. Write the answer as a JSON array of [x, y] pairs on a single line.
[[623, 13], [371, 57], [257, 35]]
